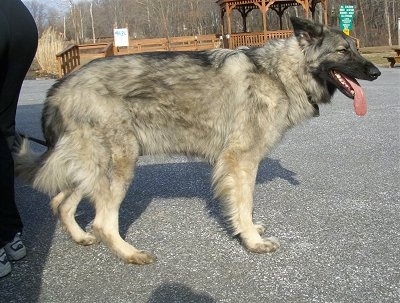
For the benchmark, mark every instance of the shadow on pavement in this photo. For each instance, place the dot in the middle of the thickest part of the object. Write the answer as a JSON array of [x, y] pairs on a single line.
[[176, 292], [155, 180], [173, 180], [185, 180]]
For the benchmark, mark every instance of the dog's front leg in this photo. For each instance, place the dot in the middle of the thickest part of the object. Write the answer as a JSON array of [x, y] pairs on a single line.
[[234, 179]]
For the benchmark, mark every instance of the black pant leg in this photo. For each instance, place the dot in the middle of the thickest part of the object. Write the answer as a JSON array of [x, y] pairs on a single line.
[[10, 220], [18, 43]]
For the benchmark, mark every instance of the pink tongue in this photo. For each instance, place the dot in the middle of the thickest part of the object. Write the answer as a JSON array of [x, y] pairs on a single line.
[[360, 103]]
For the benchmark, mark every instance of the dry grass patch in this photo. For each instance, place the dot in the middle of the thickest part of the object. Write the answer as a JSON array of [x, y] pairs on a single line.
[[50, 43]]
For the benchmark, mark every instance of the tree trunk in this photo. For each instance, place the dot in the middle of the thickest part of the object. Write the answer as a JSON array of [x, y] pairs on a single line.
[[387, 17], [92, 21], [363, 19]]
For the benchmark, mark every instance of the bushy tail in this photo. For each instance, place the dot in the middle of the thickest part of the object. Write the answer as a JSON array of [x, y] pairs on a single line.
[[38, 170]]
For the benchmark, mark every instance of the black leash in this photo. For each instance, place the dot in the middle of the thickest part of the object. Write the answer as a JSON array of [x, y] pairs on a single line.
[[39, 141]]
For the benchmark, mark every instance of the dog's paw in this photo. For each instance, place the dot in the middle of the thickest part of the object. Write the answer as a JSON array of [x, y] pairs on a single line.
[[267, 245], [87, 239], [140, 257], [261, 229]]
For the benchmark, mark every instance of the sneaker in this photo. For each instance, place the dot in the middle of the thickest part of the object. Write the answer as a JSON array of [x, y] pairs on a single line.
[[5, 266], [15, 250]]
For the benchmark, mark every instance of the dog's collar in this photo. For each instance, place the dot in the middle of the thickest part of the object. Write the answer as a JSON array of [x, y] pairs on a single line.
[[316, 109], [315, 105]]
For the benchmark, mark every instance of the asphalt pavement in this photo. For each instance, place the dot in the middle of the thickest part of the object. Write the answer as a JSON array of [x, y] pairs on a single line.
[[329, 192]]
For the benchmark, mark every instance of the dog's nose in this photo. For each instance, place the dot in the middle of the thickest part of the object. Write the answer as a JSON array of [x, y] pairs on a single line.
[[374, 72]]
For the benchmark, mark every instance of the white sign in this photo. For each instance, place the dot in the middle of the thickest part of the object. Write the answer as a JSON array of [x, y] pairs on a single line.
[[121, 37]]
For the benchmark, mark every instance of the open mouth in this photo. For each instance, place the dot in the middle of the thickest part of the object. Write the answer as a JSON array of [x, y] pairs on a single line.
[[351, 89], [343, 83]]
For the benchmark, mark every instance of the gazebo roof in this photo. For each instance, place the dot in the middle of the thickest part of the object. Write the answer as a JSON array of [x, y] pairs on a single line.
[[278, 6], [244, 7], [274, 2]]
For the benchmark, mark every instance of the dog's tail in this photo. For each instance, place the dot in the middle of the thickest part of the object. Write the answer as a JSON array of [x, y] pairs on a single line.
[[39, 170]]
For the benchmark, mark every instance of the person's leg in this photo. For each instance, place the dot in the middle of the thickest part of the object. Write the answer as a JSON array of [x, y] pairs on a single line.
[[18, 43], [9, 216]]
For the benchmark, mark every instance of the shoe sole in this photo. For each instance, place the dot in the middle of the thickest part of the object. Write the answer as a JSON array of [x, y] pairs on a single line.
[[5, 270], [16, 250], [16, 255]]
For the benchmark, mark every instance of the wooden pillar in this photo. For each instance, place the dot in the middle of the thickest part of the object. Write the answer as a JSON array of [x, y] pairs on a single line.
[[228, 18], [228, 11], [306, 6], [325, 8], [264, 16], [222, 22]]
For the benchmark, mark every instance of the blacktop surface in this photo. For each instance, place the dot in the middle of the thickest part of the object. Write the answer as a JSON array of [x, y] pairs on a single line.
[[329, 192]]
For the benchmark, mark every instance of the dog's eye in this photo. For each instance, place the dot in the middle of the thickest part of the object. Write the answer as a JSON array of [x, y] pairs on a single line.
[[341, 50]]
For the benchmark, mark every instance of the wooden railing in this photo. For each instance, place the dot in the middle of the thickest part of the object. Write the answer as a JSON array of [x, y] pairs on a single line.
[[195, 43], [256, 39], [67, 60], [98, 50], [142, 46], [184, 43], [75, 55]]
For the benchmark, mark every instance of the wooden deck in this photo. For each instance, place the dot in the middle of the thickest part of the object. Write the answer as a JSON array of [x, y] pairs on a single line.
[[67, 60], [395, 58], [184, 43], [75, 55]]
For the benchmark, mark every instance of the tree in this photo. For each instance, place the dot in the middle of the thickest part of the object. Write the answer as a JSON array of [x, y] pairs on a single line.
[[387, 19], [375, 21], [39, 12]]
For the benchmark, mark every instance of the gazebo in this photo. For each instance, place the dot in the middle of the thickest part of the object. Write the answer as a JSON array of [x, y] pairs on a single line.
[[244, 7]]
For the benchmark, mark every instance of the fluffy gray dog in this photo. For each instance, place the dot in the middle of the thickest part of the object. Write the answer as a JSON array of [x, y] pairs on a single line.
[[230, 107]]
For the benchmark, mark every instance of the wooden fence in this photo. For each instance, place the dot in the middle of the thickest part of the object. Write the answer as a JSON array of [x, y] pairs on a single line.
[[75, 55], [98, 50], [255, 39], [67, 60], [184, 43]]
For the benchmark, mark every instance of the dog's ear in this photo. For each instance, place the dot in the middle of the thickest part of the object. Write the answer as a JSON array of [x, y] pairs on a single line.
[[306, 31]]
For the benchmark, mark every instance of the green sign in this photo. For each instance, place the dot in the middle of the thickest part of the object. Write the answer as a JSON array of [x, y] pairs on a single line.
[[346, 14]]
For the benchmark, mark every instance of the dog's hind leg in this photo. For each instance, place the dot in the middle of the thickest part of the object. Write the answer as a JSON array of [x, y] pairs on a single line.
[[57, 200], [107, 196], [234, 179], [64, 206], [107, 202]]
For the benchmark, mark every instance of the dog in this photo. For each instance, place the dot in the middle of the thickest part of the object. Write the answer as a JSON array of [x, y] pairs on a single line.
[[230, 107]]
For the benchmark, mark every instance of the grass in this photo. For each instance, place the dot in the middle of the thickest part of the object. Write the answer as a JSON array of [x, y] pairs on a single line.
[[50, 43], [376, 54]]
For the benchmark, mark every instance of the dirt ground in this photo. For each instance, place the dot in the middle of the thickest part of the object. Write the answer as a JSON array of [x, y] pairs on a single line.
[[35, 72]]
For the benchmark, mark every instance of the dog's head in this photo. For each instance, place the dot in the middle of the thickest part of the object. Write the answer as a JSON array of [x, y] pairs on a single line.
[[333, 58]]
